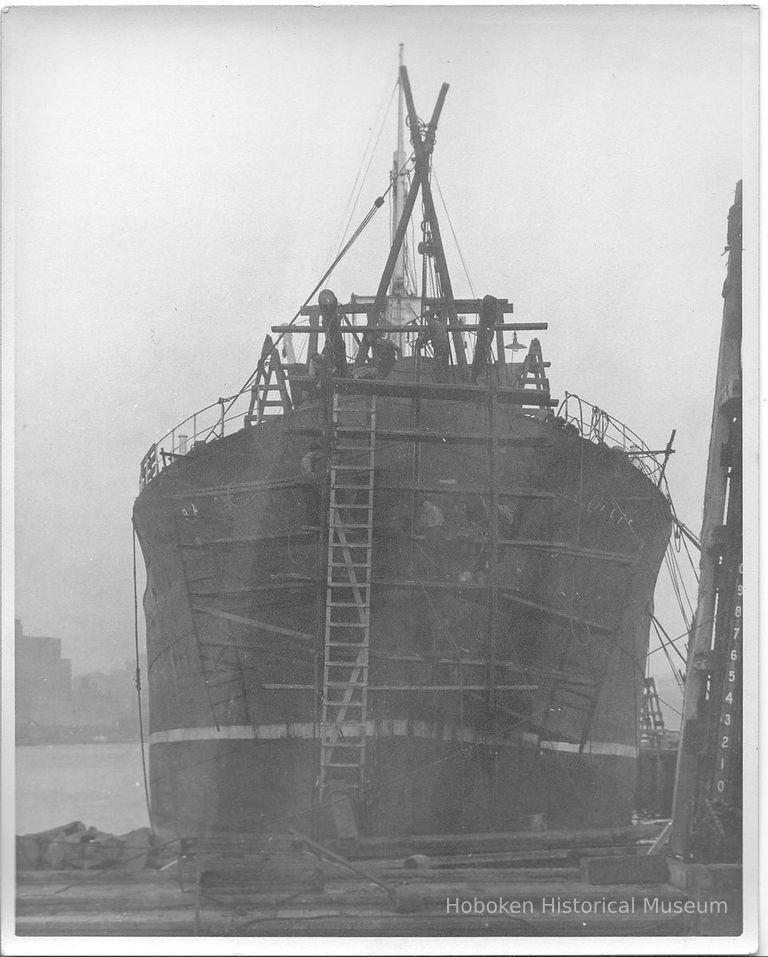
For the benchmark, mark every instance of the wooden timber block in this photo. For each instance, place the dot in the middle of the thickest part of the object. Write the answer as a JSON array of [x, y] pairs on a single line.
[[233, 868], [249, 860], [632, 869], [712, 882], [709, 879]]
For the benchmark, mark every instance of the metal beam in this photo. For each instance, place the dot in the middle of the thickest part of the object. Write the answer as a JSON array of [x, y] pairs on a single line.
[[471, 306], [439, 390], [250, 539], [549, 610], [418, 180], [298, 687], [253, 623], [374, 310], [493, 551], [240, 487], [389, 327], [572, 550]]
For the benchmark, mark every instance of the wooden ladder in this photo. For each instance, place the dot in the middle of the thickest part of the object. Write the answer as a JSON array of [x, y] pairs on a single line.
[[264, 389], [533, 375], [348, 597]]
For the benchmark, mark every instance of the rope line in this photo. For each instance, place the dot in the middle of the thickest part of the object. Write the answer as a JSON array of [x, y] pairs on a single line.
[[453, 233], [690, 560], [365, 174], [672, 668], [685, 634], [681, 579], [659, 627], [377, 204]]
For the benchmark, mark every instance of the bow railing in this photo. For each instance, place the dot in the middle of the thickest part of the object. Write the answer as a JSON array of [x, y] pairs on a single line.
[[207, 424], [598, 426], [212, 422]]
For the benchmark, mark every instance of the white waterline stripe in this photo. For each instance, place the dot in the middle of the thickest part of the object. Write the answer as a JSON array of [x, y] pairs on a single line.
[[386, 728]]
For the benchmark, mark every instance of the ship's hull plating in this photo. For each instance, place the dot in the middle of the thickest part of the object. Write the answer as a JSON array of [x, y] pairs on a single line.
[[540, 680]]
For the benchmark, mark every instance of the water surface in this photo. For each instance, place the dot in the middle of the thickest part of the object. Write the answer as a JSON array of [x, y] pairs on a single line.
[[98, 784]]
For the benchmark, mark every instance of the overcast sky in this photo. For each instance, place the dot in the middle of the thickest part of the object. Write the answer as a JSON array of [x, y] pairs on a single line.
[[175, 179]]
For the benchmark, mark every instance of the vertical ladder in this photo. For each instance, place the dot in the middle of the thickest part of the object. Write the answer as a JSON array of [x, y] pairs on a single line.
[[348, 597], [652, 723]]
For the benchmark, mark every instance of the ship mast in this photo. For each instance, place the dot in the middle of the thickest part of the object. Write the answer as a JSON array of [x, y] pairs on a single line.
[[423, 142], [399, 186]]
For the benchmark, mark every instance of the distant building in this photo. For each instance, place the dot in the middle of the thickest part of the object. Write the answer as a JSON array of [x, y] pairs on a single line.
[[107, 702], [52, 707], [43, 682]]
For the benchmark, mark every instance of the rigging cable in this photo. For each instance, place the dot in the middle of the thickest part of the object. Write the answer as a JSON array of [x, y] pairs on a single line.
[[679, 525], [641, 671], [453, 233], [377, 204], [659, 627], [681, 578], [409, 259], [138, 678], [367, 168], [685, 634], [681, 535], [675, 589], [672, 668], [690, 560], [679, 587], [668, 705]]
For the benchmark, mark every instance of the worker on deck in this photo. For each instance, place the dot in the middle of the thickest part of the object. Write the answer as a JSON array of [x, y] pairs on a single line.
[[312, 461], [385, 353], [435, 333], [316, 366], [432, 524], [485, 332], [334, 351], [465, 535]]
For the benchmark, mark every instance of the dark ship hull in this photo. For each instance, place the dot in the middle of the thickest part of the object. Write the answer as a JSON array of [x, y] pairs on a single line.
[[414, 594], [506, 664]]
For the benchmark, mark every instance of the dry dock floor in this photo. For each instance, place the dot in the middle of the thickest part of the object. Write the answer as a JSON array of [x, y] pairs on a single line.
[[152, 903]]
